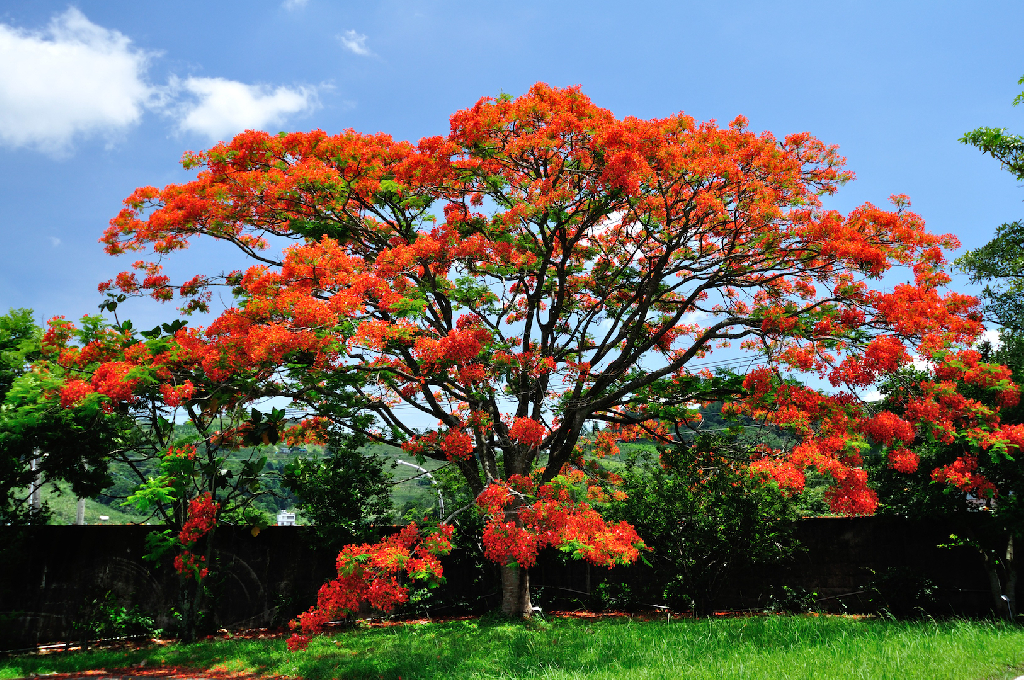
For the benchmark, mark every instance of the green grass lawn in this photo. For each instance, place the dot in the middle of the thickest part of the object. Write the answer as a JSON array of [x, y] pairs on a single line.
[[757, 647]]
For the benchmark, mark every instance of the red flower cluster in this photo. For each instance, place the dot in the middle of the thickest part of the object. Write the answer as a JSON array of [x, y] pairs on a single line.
[[202, 518], [851, 496], [111, 379], [790, 480], [186, 452], [454, 444], [309, 431], [371, 573], [460, 346], [527, 431], [175, 395], [961, 474], [903, 460], [518, 528], [191, 565], [886, 427], [73, 392], [605, 443], [457, 445]]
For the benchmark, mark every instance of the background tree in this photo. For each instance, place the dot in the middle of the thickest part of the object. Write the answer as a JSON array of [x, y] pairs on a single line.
[[971, 478], [704, 516], [999, 264], [197, 455], [346, 495], [585, 270], [66, 445], [188, 433], [996, 524]]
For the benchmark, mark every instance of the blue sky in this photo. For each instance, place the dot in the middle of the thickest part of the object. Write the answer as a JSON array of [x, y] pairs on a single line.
[[97, 98]]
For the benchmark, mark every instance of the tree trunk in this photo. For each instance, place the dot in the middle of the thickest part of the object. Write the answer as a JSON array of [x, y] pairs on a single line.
[[189, 615], [1002, 581], [1011, 593], [35, 496], [515, 592], [193, 592]]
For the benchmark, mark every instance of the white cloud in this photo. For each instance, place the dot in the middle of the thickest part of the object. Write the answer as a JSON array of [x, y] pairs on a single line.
[[74, 78], [355, 42], [225, 107], [294, 4], [54, 241], [992, 336]]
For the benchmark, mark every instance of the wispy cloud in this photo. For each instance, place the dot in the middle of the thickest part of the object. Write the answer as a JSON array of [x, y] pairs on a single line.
[[294, 4], [355, 43], [221, 108], [73, 78], [54, 241]]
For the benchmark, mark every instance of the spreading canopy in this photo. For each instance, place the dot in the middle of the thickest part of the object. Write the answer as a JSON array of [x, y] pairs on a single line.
[[488, 296]]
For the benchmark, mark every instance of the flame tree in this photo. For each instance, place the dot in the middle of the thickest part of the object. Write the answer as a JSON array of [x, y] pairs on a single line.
[[543, 281]]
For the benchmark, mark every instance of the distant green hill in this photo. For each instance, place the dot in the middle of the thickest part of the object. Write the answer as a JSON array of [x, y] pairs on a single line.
[[64, 506]]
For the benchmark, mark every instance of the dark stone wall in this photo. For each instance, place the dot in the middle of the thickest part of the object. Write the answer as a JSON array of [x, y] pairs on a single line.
[[854, 565], [842, 559], [51, 576]]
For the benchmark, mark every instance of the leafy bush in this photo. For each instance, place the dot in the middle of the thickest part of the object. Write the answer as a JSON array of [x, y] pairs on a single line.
[[343, 495], [795, 600], [705, 516], [900, 592], [106, 617]]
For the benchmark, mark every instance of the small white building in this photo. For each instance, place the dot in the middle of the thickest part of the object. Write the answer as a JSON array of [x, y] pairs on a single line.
[[285, 519]]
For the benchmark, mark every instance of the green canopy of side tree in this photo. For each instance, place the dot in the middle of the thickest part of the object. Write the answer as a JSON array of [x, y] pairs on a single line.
[[67, 444], [999, 264]]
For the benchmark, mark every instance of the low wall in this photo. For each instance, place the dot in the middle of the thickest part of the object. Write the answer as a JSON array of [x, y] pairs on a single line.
[[50, 576], [841, 558]]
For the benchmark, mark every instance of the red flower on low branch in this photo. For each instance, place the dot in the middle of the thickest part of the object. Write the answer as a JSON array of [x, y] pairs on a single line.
[[371, 572], [523, 518], [202, 518]]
